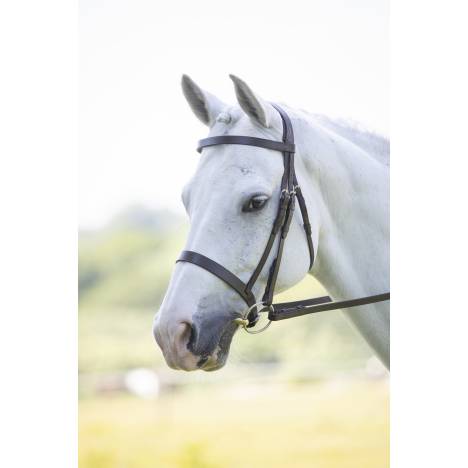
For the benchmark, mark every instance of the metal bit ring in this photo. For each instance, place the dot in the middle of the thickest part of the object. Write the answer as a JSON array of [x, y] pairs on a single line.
[[243, 322]]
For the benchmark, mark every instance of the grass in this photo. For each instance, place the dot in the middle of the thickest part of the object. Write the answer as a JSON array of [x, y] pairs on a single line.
[[337, 423]]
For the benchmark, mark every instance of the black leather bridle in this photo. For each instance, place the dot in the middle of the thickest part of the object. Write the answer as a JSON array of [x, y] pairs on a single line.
[[290, 192]]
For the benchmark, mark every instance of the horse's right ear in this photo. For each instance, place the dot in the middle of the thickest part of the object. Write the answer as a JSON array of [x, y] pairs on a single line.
[[204, 105]]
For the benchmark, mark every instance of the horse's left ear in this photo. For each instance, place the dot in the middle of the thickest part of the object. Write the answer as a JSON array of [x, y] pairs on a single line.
[[204, 105], [255, 107]]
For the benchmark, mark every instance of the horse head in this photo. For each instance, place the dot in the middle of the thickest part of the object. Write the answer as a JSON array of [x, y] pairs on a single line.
[[232, 202]]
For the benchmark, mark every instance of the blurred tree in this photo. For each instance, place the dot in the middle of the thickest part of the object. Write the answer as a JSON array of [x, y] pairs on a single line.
[[128, 263]]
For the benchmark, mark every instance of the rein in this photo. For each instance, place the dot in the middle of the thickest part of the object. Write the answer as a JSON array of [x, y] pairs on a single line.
[[290, 192]]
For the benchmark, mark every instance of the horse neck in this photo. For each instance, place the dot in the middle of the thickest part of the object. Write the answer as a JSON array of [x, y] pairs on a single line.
[[349, 191]]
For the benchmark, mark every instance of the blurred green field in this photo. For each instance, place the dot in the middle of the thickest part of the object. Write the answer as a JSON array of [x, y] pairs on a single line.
[[307, 393], [340, 423]]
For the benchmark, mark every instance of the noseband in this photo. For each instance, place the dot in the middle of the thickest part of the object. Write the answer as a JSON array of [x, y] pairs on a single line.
[[290, 192]]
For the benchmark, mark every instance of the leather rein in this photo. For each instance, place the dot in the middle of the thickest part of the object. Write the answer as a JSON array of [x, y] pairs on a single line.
[[290, 193]]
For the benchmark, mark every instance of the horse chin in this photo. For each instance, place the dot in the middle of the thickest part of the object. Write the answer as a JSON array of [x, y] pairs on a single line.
[[217, 358], [214, 363]]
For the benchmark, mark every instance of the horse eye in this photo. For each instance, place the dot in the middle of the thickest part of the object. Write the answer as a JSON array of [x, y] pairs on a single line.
[[256, 203]]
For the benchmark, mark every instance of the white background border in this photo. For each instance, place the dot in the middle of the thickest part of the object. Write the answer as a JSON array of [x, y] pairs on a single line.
[[38, 251], [429, 234]]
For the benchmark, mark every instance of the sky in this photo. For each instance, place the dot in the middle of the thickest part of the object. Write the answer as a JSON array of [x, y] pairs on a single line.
[[137, 135]]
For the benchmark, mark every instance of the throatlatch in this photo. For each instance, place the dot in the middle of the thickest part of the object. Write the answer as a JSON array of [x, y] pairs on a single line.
[[290, 191]]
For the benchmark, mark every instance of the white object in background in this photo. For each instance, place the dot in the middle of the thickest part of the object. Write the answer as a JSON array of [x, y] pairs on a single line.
[[142, 382]]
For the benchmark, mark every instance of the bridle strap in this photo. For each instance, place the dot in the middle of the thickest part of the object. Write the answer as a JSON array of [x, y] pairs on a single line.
[[305, 222], [287, 310], [287, 187], [274, 269], [288, 136], [218, 270]]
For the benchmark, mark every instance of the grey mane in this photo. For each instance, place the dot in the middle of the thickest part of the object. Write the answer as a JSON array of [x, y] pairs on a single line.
[[376, 145]]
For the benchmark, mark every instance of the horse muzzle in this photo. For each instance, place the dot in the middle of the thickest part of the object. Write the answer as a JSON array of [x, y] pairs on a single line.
[[202, 343]]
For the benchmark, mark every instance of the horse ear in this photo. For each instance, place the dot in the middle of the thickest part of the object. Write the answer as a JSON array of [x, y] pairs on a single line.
[[204, 105], [255, 107]]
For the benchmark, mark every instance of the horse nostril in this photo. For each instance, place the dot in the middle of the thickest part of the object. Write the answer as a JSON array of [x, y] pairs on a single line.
[[183, 336]]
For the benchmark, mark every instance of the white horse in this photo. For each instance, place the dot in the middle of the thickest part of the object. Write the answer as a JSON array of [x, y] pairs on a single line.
[[232, 201]]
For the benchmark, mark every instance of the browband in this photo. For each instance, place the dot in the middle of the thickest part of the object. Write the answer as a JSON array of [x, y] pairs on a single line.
[[245, 140]]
